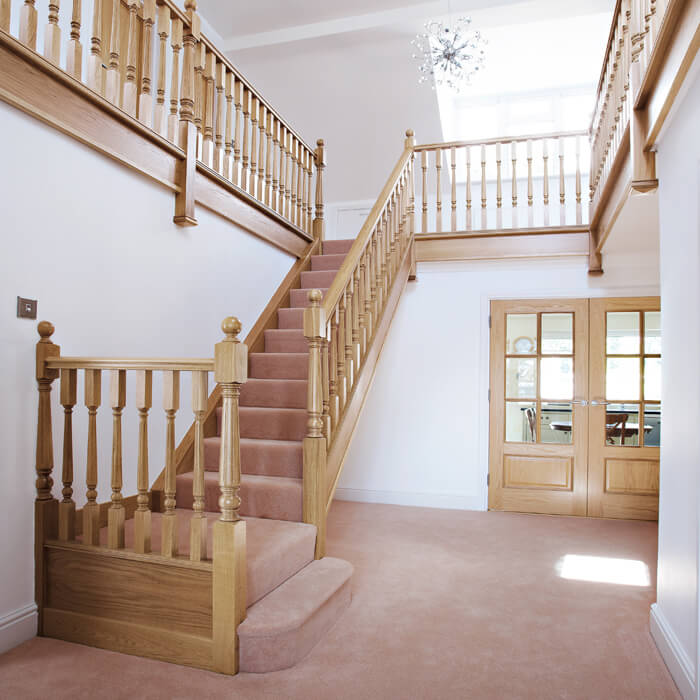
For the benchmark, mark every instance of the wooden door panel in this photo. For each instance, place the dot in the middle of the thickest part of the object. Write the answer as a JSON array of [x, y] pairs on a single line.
[[550, 473]]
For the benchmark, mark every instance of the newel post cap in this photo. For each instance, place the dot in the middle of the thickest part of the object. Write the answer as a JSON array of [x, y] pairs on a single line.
[[45, 350], [410, 138], [320, 153], [230, 355]]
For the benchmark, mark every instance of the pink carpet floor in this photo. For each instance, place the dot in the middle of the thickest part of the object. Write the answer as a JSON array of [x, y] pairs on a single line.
[[446, 604]]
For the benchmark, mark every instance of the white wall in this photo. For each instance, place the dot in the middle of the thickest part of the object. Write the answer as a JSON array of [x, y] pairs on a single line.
[[675, 614], [422, 438], [95, 244]]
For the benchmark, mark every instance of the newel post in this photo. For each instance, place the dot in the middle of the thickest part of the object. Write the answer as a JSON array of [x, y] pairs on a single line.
[[187, 168], [315, 444], [45, 505], [229, 555], [319, 228]]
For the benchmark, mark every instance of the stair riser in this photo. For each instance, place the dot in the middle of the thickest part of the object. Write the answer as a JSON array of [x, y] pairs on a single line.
[[290, 318], [341, 247], [269, 423], [326, 262], [279, 366], [274, 393], [320, 279], [277, 501], [279, 341], [260, 458]]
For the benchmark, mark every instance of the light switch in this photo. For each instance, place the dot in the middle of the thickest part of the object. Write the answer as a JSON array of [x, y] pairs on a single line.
[[26, 308]]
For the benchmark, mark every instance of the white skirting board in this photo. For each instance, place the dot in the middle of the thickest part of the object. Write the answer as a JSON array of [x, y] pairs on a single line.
[[679, 665], [451, 501], [17, 626]]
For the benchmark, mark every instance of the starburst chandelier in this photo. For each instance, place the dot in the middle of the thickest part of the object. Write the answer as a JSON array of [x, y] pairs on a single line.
[[450, 53]]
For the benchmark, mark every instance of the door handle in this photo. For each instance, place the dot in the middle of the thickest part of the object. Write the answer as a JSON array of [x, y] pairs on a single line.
[[600, 402], [579, 402]]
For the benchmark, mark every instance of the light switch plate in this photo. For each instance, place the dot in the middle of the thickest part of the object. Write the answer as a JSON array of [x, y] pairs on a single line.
[[26, 308]]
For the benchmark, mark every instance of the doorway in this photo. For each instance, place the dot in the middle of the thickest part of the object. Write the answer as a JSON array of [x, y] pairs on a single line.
[[575, 407]]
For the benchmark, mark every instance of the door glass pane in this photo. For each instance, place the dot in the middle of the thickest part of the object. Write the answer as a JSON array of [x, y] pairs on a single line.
[[622, 424], [557, 378], [652, 332], [652, 379], [622, 378], [521, 378], [557, 334], [623, 333], [652, 425], [520, 421], [521, 334], [556, 422]]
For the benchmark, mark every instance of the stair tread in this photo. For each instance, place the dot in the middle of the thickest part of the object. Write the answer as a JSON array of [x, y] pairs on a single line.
[[258, 441], [297, 599]]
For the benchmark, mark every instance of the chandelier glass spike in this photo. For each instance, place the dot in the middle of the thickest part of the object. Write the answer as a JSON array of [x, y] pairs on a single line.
[[450, 53]]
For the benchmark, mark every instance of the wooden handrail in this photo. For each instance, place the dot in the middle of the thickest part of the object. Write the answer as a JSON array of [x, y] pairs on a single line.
[[504, 140], [133, 363], [332, 296]]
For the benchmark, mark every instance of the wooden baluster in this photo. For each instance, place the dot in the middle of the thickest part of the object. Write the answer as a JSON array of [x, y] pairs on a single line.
[[198, 522], [284, 171], [145, 109], [350, 367], [499, 189], [66, 508], [228, 136], [45, 506], [288, 181], [333, 371], [424, 166], [545, 182], [229, 566], [315, 444], [52, 35], [453, 167], [530, 197], [171, 404], [262, 117], [91, 510], [358, 305], [5, 14], [514, 183], [220, 80], [176, 44], [325, 382], [319, 227], [562, 190], [74, 57], [579, 212], [129, 97], [116, 515], [142, 516], [160, 123], [364, 301], [309, 191], [275, 202], [268, 159], [27, 24], [246, 145], [188, 138], [237, 101], [438, 200], [483, 188], [200, 94], [253, 145], [294, 181], [341, 386], [300, 185], [468, 188], [113, 80], [208, 110]]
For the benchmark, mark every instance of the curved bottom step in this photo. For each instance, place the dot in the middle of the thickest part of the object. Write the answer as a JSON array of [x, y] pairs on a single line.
[[283, 627]]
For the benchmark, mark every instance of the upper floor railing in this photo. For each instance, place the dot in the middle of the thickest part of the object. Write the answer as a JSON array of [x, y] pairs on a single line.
[[506, 183], [151, 59]]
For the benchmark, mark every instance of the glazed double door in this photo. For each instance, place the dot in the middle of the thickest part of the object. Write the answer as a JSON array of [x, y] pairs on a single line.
[[575, 407]]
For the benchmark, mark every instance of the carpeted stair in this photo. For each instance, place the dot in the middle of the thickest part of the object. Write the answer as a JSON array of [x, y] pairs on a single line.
[[293, 599]]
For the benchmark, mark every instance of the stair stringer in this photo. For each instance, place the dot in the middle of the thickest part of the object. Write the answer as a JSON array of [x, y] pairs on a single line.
[[345, 431]]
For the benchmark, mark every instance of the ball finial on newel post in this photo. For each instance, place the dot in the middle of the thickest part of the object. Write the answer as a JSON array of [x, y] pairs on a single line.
[[410, 138], [231, 327], [46, 330]]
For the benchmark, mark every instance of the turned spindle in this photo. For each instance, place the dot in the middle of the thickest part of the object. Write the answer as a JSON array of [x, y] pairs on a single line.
[[245, 141], [530, 196], [91, 510], [228, 136], [499, 188], [96, 71], [52, 36], [66, 508], [130, 91], [27, 24], [438, 185], [220, 84], [319, 226], [198, 523], [453, 179], [142, 516], [545, 181], [145, 106], [468, 189], [113, 79], [171, 404], [269, 157], [176, 44], [160, 121], [208, 110], [116, 515], [262, 116], [253, 145], [5, 14]]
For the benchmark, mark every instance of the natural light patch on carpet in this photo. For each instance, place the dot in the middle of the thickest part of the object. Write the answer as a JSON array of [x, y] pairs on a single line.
[[627, 572]]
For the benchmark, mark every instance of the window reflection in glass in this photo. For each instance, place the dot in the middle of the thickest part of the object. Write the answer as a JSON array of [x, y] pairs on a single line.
[[521, 334], [652, 425], [622, 333], [557, 378], [556, 423], [521, 378], [622, 424], [622, 378], [521, 423], [557, 334], [652, 379], [652, 332]]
